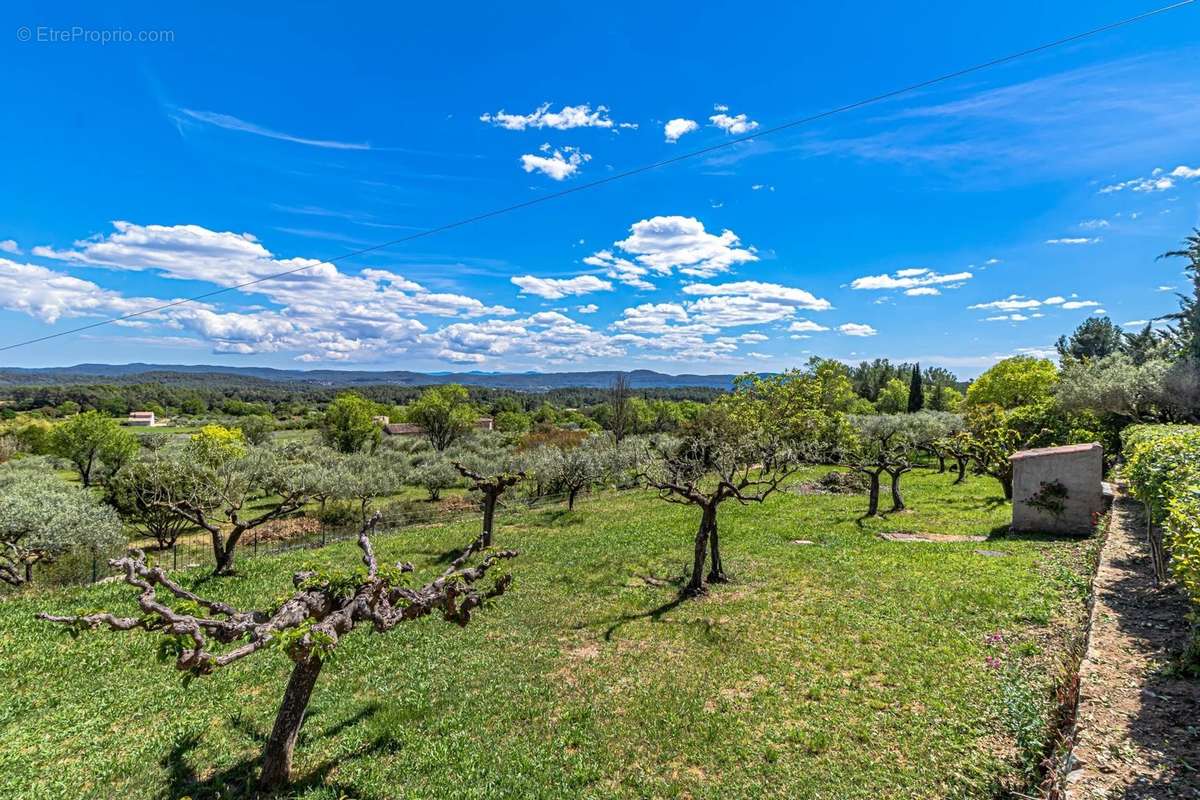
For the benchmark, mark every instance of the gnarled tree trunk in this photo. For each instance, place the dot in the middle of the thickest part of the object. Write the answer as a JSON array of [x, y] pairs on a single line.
[[716, 571], [897, 500], [873, 495], [489, 516], [277, 755], [708, 519]]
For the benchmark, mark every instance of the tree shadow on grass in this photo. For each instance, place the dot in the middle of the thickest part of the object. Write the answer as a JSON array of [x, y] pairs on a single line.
[[239, 781], [655, 614]]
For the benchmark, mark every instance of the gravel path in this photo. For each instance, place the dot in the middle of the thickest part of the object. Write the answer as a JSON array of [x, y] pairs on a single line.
[[1138, 728]]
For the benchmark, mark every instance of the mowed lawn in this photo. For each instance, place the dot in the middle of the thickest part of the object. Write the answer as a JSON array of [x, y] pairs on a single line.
[[852, 667]]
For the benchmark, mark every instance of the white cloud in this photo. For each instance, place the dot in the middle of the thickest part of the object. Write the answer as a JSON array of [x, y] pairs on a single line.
[[666, 243], [733, 125], [857, 329], [566, 118], [1018, 302], [620, 269], [910, 278], [234, 124], [678, 127], [763, 292], [1165, 289], [590, 308], [753, 338], [324, 314], [547, 335], [922, 291], [1159, 180], [10, 246], [806, 326], [1093, 224], [1135, 323], [557, 288], [558, 165], [1074, 240]]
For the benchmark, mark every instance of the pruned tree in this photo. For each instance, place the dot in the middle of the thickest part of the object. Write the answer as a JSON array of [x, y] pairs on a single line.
[[206, 635], [42, 517], [209, 482], [364, 478], [490, 470], [885, 444], [435, 475], [741, 448], [960, 447], [573, 469], [931, 429]]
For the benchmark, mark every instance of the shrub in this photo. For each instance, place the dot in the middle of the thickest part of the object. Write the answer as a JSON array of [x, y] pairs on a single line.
[[1163, 470]]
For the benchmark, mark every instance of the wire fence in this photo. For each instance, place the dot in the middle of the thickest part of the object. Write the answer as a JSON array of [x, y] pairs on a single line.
[[194, 549]]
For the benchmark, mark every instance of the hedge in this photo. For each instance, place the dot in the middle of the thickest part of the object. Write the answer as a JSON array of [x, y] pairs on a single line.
[[1162, 467]]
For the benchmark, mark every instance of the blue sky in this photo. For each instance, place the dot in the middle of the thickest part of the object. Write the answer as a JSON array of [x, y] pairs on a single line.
[[956, 225]]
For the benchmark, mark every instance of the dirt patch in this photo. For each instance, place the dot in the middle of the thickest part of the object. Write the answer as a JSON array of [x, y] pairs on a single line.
[[283, 530], [1136, 734], [912, 536]]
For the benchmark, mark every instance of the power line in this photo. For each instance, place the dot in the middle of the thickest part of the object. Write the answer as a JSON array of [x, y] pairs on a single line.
[[545, 198]]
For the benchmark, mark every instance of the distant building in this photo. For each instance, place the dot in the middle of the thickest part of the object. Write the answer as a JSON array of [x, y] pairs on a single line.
[[380, 420], [412, 429], [143, 419]]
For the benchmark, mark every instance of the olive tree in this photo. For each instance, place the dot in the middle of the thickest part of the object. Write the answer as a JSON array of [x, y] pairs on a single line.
[[42, 517], [363, 478], [210, 480], [885, 443], [89, 440], [573, 469], [205, 635], [132, 495], [742, 448]]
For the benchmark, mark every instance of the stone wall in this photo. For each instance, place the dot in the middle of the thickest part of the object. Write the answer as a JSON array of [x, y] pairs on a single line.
[[1057, 489]]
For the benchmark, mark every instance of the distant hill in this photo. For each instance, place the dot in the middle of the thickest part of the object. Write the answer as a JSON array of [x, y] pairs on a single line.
[[192, 373]]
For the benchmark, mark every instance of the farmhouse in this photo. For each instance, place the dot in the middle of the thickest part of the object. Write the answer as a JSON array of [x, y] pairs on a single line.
[[143, 419]]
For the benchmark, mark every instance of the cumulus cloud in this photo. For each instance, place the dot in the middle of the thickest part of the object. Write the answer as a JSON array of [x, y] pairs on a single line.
[[590, 308], [857, 329], [806, 326], [566, 118], [10, 246], [664, 244], [323, 314], [910, 278], [557, 288], [556, 164], [1158, 181], [922, 291], [620, 269], [678, 127], [733, 125], [547, 335]]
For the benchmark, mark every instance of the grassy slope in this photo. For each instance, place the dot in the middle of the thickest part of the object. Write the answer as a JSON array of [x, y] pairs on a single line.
[[851, 668]]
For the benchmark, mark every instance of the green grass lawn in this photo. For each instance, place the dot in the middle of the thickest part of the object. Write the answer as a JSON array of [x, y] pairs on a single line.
[[850, 668]]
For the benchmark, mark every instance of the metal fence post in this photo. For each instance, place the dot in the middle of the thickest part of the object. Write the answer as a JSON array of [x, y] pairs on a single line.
[[94, 567], [175, 555]]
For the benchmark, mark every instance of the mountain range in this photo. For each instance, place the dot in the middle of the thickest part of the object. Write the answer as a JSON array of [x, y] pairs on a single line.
[[524, 381]]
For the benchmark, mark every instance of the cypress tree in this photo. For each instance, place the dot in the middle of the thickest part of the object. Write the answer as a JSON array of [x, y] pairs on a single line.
[[916, 391]]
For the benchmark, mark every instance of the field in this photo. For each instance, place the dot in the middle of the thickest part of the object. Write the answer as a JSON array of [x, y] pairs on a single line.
[[852, 667]]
